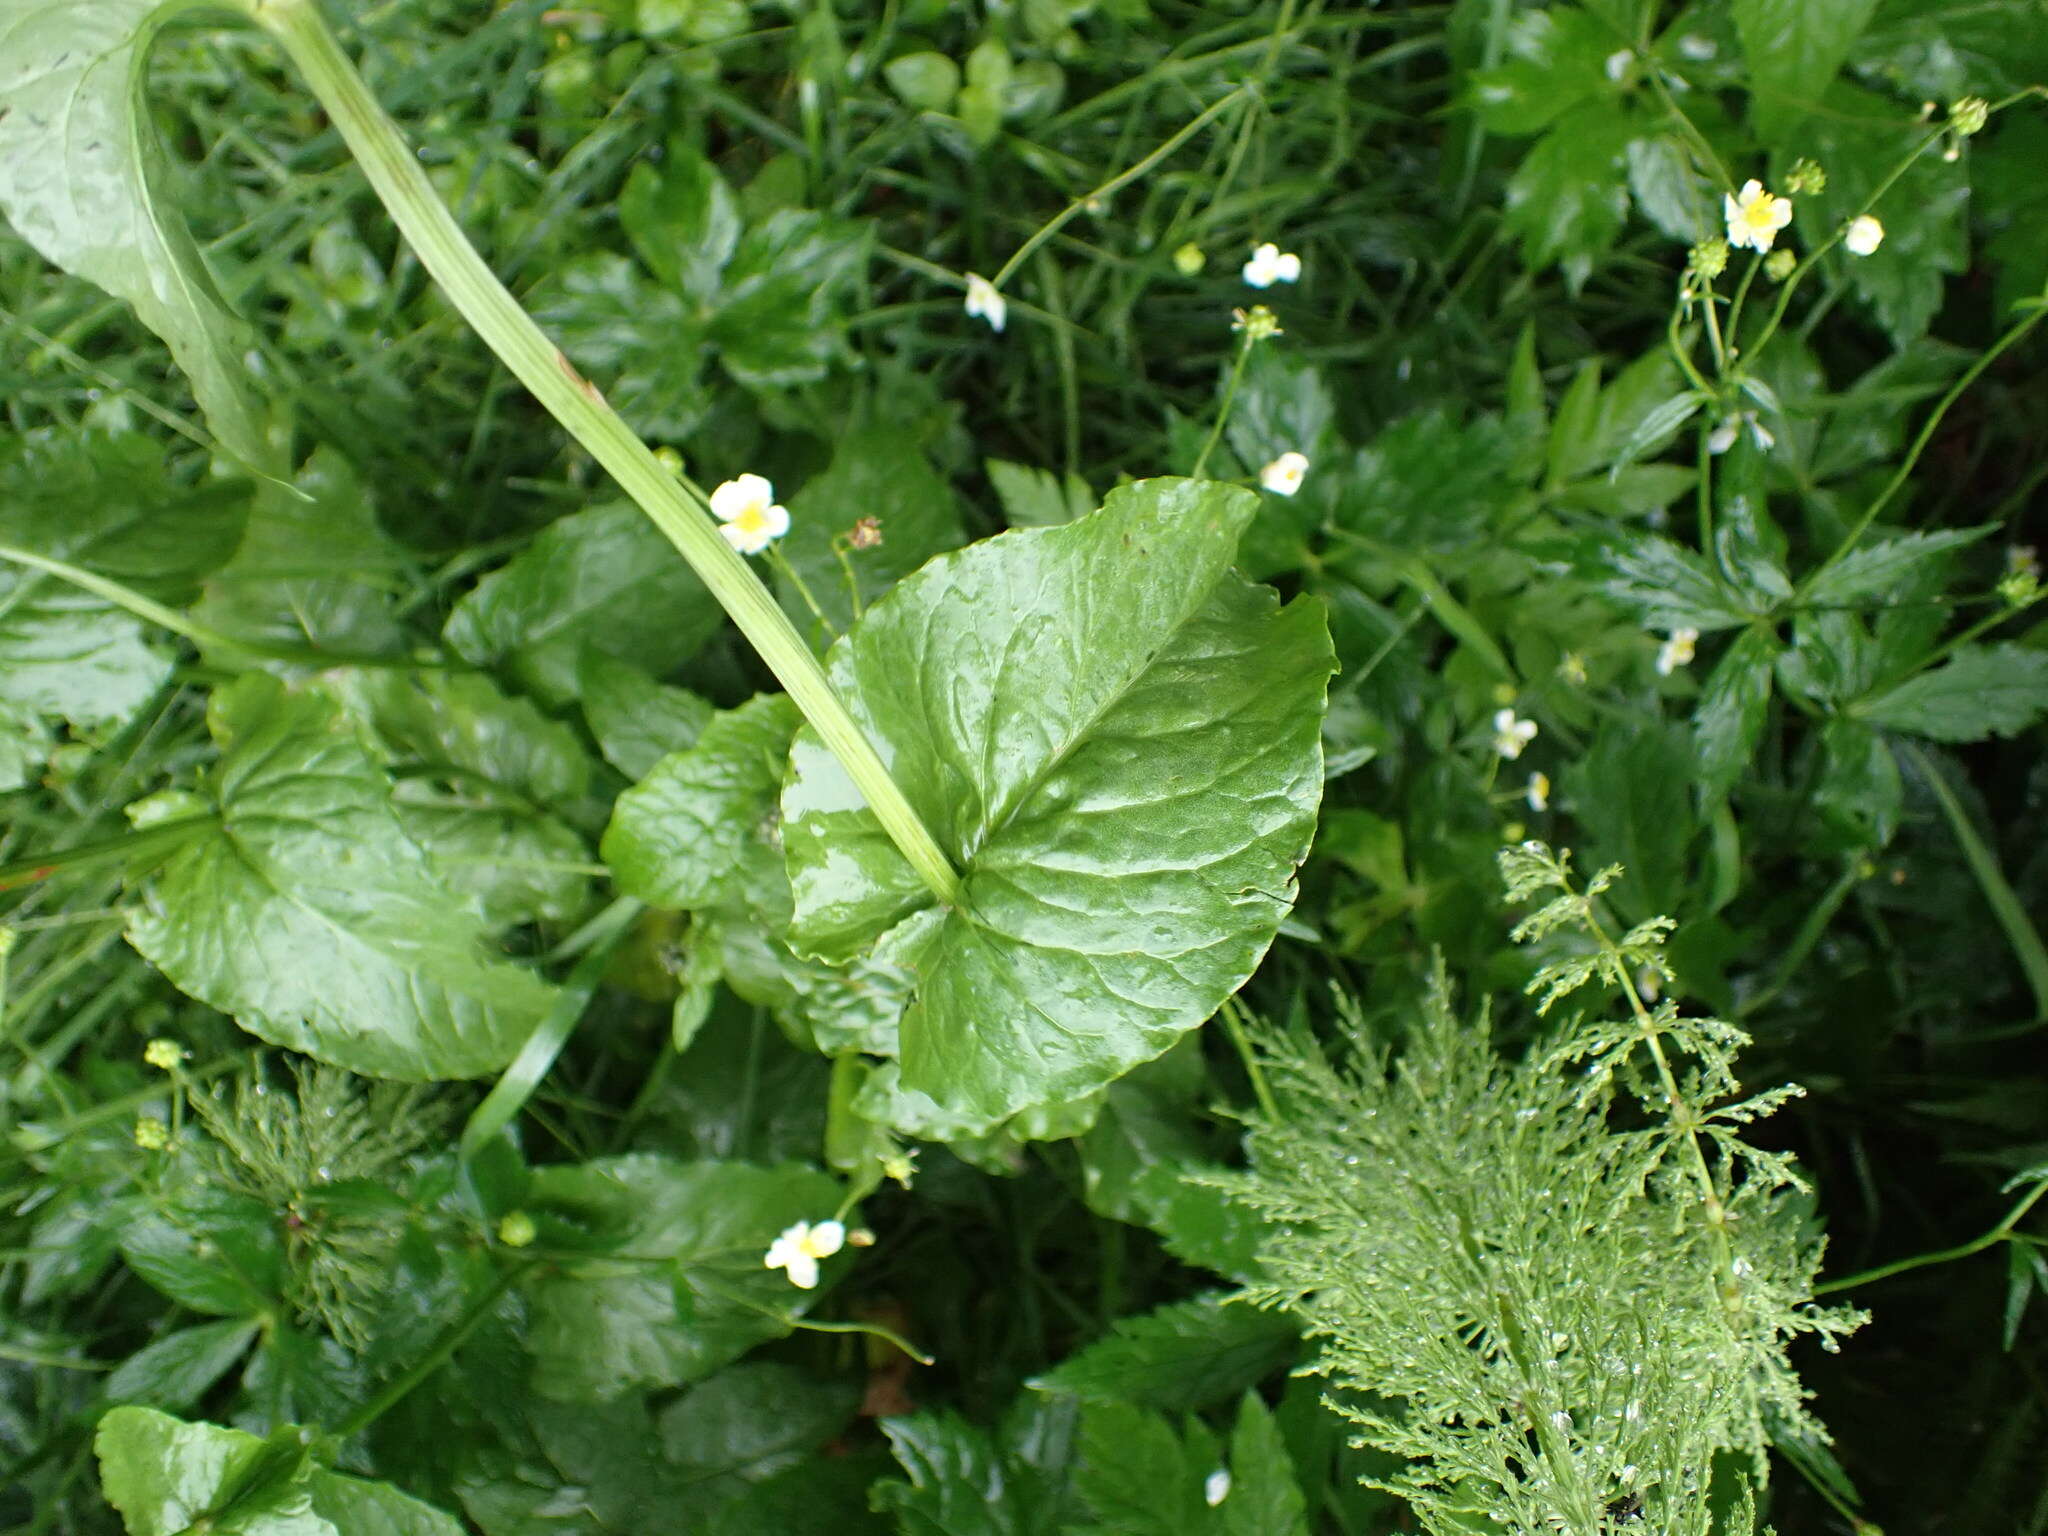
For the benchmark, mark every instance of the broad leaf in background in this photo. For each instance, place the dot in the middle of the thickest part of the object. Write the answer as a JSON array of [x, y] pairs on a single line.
[[304, 910], [168, 1477], [1670, 587], [877, 470], [1730, 716], [1116, 741], [81, 179], [604, 579], [1037, 498], [1554, 60], [1631, 793], [751, 1421], [1569, 198], [1794, 48], [966, 1482], [1925, 213], [102, 503], [1981, 690], [1141, 1479], [637, 720], [177, 1370], [685, 836], [769, 301], [1183, 1356], [2011, 197], [672, 1284], [1879, 570], [482, 782], [697, 835], [314, 569]]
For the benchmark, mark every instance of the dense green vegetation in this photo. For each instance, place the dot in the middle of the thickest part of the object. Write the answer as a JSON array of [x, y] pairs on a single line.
[[1031, 986]]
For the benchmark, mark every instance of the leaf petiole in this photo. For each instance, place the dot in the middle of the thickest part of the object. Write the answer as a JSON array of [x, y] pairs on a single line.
[[677, 507]]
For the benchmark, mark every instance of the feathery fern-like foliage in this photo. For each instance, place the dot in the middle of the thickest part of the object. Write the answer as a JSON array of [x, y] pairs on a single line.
[[1561, 1289]]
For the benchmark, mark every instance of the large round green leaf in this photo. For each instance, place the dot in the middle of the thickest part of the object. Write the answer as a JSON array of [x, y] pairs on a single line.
[[1116, 741], [304, 909]]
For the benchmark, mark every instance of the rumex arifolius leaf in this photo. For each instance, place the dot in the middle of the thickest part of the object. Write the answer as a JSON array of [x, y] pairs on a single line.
[[1116, 742], [80, 174], [305, 911]]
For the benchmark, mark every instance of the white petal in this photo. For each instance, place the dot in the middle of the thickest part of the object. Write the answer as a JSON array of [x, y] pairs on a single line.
[[825, 1239], [1288, 268], [734, 497], [1216, 1487], [803, 1272], [741, 539]]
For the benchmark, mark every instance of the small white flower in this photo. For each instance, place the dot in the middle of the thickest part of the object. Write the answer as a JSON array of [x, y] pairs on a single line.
[[1510, 734], [1698, 49], [1270, 265], [1722, 438], [800, 1247], [1216, 1487], [1765, 438], [747, 508], [1539, 791], [1618, 63], [1284, 475], [984, 303], [1863, 236], [1755, 216], [1677, 651]]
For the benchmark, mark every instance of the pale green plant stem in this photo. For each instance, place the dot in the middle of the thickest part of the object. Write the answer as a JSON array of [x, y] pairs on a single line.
[[143, 842], [125, 597], [1999, 895], [1233, 1017], [1223, 411], [677, 508], [537, 1056], [1123, 178], [783, 568], [1991, 354], [2001, 1233], [1681, 1114]]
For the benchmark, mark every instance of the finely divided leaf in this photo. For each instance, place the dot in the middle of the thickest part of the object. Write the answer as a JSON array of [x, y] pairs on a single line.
[[80, 180], [1116, 743], [307, 913]]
